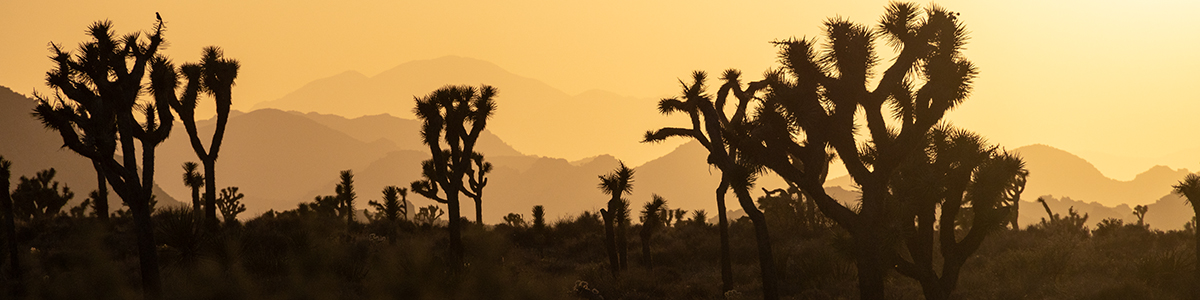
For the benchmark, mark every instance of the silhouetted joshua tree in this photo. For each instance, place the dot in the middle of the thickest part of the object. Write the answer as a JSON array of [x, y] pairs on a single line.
[[195, 181], [346, 195], [821, 98], [455, 116], [230, 204], [1189, 188], [477, 180], [39, 198], [1072, 223], [428, 215], [101, 85], [1140, 212], [616, 184], [720, 134], [652, 221], [956, 172], [1049, 212], [395, 204], [6, 204], [215, 76]]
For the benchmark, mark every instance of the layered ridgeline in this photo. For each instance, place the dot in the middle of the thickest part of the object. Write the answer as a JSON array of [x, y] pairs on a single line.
[[32, 148], [531, 116], [281, 158]]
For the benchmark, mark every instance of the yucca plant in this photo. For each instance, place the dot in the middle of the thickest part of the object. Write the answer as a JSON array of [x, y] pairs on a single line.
[[1189, 188], [194, 180], [616, 184], [394, 205], [652, 221]]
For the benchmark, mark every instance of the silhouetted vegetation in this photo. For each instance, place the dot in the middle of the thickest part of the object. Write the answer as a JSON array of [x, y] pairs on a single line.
[[455, 115], [935, 200], [214, 75], [1189, 187], [722, 135], [94, 108], [616, 184], [394, 206], [345, 195], [194, 181], [230, 204]]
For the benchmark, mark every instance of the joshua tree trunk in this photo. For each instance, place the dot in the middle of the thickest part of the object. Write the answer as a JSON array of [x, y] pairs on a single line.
[[622, 242], [647, 260], [610, 238], [147, 252], [1196, 287], [479, 209], [723, 227], [766, 261], [101, 205], [210, 192], [871, 269], [455, 224], [196, 209]]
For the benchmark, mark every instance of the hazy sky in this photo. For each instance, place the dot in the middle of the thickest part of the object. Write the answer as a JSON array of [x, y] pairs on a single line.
[[1112, 81]]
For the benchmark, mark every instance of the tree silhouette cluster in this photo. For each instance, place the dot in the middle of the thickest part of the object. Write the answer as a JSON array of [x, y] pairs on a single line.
[[95, 109]]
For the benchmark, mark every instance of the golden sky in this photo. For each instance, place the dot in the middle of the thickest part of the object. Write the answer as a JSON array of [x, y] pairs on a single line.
[[1112, 81]]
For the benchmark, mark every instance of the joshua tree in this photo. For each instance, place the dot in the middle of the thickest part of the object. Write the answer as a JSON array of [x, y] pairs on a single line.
[[821, 98], [230, 204], [616, 184], [93, 108], [455, 116], [477, 180], [720, 134], [1140, 212], [39, 198], [1051, 214], [956, 172], [6, 204], [652, 220], [1189, 188], [215, 76], [428, 215], [393, 207], [195, 181], [346, 195]]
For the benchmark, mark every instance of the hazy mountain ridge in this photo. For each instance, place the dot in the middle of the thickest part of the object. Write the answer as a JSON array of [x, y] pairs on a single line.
[[527, 114], [280, 159], [1054, 171]]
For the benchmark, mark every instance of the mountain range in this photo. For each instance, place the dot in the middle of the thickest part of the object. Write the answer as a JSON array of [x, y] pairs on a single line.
[[280, 158], [529, 114]]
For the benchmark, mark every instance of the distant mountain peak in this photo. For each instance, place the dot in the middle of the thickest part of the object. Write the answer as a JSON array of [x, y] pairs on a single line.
[[603, 159]]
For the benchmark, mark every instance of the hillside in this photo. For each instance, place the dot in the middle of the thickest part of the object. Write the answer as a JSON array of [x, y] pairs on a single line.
[[1054, 171], [529, 114]]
